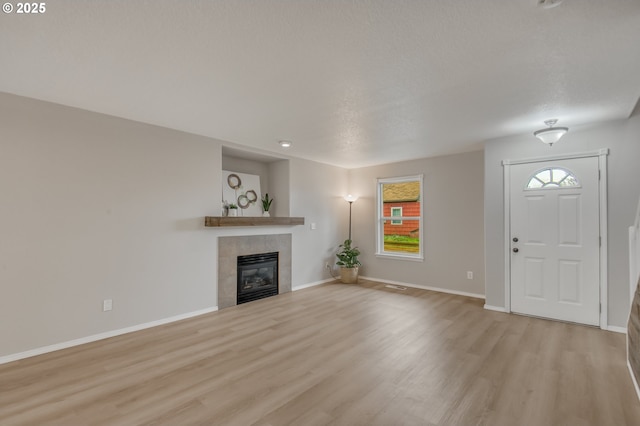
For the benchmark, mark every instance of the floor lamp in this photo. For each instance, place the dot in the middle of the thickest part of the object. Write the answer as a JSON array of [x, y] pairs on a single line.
[[350, 199]]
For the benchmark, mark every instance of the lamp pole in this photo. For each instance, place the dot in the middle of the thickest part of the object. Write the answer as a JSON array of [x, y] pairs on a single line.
[[350, 203], [350, 199]]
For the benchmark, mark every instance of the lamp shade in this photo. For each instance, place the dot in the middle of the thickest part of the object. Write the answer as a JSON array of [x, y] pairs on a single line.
[[552, 134], [350, 198]]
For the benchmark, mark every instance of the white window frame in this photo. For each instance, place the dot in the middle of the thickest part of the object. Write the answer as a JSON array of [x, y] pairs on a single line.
[[396, 221], [553, 184], [380, 220]]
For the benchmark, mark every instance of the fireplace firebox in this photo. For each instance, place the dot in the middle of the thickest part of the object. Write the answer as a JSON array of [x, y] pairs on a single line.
[[257, 276]]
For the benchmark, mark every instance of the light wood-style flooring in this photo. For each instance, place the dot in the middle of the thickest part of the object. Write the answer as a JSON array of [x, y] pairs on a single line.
[[333, 354]]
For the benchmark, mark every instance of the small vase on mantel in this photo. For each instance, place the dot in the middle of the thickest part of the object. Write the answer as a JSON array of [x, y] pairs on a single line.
[[266, 214]]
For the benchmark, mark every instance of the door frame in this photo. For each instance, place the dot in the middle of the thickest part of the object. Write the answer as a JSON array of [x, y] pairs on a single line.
[[602, 197]]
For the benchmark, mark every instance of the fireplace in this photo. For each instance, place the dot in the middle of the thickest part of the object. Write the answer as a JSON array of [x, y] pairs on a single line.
[[257, 276], [229, 248]]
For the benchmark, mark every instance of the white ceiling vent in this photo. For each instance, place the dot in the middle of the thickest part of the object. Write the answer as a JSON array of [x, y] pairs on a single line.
[[548, 4]]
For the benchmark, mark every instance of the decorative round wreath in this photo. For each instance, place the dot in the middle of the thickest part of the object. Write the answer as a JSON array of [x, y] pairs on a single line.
[[243, 202], [234, 181], [251, 196], [247, 198]]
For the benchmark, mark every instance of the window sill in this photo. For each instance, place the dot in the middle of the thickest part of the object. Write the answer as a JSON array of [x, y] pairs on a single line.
[[400, 257]]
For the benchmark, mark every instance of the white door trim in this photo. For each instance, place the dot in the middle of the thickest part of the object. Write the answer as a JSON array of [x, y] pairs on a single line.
[[597, 153], [602, 195]]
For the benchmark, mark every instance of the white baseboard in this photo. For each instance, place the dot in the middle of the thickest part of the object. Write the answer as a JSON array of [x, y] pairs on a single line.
[[633, 379], [495, 308], [613, 328], [313, 284], [425, 287], [101, 336], [616, 329]]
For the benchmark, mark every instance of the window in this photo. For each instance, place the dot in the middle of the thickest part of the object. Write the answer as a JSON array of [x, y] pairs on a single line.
[[553, 177], [396, 211], [399, 230]]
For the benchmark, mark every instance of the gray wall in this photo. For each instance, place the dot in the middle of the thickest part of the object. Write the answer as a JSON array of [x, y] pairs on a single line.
[[453, 222], [241, 165], [623, 139], [316, 194], [95, 207]]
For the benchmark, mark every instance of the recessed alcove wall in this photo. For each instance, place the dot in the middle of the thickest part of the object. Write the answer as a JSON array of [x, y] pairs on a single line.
[[273, 172]]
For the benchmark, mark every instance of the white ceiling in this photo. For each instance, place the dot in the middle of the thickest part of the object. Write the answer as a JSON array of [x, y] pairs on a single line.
[[350, 82]]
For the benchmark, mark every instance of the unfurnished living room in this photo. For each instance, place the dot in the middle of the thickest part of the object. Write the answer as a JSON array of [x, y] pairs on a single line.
[[305, 212]]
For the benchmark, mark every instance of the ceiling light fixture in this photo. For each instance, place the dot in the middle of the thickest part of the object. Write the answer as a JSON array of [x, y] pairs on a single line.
[[285, 144], [548, 4], [551, 134]]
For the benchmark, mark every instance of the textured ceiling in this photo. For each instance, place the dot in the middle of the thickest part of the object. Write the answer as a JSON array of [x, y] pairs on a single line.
[[350, 82]]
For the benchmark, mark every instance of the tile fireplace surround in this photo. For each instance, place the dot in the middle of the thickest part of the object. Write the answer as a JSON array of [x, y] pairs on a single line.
[[229, 248]]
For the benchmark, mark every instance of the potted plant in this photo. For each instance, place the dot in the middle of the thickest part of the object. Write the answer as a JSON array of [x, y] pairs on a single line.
[[233, 209], [348, 262], [266, 205]]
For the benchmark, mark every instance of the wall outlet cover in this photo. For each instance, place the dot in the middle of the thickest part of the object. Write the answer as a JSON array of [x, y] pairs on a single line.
[[107, 305]]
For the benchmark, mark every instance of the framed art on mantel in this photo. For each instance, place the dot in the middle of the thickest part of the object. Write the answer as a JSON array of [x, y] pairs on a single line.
[[243, 190]]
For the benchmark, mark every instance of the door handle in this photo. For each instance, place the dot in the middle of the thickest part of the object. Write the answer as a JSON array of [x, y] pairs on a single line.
[[515, 250]]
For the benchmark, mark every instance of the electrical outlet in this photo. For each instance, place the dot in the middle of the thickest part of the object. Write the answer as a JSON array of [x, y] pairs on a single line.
[[469, 275], [107, 305]]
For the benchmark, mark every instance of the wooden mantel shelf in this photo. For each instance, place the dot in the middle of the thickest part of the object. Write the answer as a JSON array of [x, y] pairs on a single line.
[[217, 221]]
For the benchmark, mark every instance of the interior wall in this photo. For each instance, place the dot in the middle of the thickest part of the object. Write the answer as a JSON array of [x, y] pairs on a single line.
[[453, 222], [622, 137], [96, 207], [316, 193], [279, 175], [241, 165]]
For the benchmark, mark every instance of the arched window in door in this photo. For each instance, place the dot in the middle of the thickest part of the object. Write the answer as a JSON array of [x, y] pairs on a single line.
[[553, 177]]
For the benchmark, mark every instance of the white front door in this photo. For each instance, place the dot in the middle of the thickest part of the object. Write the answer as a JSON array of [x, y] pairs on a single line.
[[554, 227]]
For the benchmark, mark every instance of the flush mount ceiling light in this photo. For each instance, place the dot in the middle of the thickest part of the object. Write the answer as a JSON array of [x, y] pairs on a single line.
[[551, 134], [285, 144]]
